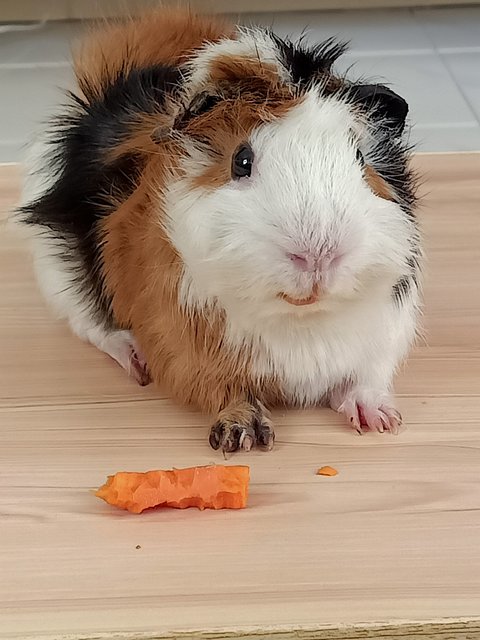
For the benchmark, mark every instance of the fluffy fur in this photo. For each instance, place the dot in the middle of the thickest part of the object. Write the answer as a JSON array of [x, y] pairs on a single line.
[[150, 248]]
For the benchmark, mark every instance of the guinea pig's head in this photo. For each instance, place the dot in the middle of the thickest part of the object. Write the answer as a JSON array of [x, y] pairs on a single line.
[[293, 193]]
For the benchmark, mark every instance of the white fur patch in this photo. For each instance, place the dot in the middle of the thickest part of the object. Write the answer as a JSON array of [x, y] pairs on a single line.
[[364, 342], [251, 43]]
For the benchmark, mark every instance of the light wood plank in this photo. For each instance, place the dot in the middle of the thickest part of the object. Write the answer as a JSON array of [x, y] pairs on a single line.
[[393, 539]]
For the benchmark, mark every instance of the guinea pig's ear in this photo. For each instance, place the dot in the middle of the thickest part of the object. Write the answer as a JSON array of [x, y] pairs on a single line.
[[161, 133], [199, 104], [386, 105], [202, 103]]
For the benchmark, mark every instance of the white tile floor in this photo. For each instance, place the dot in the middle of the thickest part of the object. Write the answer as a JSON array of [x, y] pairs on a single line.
[[431, 56]]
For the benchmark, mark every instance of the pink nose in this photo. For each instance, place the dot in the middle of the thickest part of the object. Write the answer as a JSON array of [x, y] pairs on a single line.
[[307, 261], [302, 261]]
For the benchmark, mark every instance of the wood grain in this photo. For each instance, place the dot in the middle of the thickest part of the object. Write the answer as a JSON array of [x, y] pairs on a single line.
[[393, 539]]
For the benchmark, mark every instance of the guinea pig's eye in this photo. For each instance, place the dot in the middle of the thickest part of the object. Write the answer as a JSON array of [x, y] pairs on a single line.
[[360, 158], [242, 162]]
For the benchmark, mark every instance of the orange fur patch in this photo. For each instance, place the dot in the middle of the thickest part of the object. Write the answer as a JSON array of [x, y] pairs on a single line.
[[378, 185], [254, 75], [165, 36], [185, 351]]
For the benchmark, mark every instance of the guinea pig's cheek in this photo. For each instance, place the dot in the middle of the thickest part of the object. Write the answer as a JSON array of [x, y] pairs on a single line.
[[191, 230], [343, 284]]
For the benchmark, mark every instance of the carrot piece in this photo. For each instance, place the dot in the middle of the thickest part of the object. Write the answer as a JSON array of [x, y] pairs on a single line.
[[327, 471], [213, 487]]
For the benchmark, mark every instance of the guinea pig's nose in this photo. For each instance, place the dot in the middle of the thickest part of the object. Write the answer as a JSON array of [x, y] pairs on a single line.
[[304, 261], [311, 261]]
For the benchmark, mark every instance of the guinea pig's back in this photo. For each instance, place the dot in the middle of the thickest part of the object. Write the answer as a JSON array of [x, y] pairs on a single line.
[[161, 37]]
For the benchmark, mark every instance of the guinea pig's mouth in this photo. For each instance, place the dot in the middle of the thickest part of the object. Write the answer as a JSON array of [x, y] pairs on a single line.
[[302, 302]]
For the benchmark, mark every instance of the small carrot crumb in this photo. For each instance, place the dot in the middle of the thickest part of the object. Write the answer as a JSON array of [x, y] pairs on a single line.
[[327, 471]]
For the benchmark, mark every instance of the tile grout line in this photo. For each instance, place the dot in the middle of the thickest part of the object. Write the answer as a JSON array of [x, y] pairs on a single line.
[[352, 53], [35, 65]]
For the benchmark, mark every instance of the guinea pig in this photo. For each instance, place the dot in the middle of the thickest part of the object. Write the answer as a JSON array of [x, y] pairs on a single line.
[[222, 214]]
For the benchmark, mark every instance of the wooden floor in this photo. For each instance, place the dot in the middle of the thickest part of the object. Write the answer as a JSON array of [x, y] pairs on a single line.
[[394, 538]]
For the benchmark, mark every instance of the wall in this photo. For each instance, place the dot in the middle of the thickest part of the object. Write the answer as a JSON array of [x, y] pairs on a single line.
[[62, 9]]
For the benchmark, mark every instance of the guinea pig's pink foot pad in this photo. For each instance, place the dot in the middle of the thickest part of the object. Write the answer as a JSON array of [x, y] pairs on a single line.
[[368, 414], [138, 368], [382, 418]]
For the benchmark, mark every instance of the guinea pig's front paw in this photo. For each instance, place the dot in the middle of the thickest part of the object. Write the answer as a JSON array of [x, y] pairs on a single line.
[[368, 410], [241, 426]]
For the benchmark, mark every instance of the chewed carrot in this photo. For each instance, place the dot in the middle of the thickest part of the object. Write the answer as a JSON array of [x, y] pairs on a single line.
[[213, 487], [327, 471]]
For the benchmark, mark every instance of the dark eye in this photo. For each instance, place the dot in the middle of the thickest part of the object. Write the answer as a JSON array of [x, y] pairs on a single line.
[[360, 158], [242, 162]]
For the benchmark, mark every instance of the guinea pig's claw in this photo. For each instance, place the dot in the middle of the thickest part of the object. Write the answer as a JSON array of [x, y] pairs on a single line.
[[266, 436], [247, 441], [233, 436], [381, 419], [365, 415]]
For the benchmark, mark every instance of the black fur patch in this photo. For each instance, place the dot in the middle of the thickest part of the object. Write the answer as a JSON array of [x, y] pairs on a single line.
[[306, 63], [402, 289], [86, 180], [382, 103]]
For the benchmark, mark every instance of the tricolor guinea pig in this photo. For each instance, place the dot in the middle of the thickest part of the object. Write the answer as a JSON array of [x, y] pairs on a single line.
[[222, 214]]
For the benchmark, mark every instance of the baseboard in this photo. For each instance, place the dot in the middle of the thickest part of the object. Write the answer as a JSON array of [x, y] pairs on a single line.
[[25, 10]]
